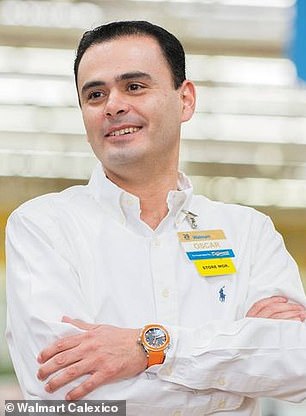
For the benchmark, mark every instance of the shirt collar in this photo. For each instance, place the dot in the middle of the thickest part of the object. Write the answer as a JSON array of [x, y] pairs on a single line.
[[119, 204]]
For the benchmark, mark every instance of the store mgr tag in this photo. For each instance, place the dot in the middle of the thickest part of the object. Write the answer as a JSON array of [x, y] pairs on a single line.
[[209, 252]]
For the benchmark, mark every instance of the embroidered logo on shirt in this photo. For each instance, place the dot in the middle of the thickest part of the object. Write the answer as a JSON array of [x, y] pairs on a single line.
[[222, 295]]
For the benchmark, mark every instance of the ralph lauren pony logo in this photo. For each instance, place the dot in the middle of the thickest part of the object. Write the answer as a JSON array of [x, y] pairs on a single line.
[[222, 295]]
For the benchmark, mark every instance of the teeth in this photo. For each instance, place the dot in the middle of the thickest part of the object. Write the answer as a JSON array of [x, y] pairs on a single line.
[[124, 131]]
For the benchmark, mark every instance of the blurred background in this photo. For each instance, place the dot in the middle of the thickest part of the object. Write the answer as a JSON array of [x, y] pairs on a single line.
[[246, 143]]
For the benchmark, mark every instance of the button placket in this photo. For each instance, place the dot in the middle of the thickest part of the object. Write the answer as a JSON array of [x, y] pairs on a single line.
[[163, 275]]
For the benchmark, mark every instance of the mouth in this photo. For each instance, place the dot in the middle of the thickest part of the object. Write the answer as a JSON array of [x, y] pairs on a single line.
[[123, 131]]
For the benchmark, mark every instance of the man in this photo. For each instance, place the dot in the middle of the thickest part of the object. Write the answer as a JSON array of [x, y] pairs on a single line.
[[133, 288]]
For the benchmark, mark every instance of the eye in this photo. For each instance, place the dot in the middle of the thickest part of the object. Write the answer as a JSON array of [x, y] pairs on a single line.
[[135, 87], [95, 95]]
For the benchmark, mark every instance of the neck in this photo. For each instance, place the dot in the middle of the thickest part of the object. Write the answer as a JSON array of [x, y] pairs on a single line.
[[151, 188]]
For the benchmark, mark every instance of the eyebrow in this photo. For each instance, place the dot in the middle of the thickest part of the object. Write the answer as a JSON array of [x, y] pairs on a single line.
[[122, 77], [133, 75]]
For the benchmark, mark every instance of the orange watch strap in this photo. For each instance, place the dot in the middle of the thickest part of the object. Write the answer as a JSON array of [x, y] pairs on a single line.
[[155, 357]]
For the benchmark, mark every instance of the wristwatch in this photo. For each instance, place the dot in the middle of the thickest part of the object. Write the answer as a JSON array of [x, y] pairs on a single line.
[[155, 340]]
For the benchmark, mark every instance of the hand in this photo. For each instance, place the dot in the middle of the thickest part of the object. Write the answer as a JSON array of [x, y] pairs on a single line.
[[106, 353], [277, 307]]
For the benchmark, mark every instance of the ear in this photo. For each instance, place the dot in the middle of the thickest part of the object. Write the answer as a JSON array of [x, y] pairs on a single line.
[[188, 97]]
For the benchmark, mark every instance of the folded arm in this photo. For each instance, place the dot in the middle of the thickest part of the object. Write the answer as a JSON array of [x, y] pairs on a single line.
[[106, 353], [245, 351]]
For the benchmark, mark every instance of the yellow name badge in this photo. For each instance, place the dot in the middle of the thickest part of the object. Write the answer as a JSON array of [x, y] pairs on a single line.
[[215, 267]]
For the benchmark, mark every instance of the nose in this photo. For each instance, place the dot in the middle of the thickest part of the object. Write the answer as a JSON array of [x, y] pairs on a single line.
[[115, 105]]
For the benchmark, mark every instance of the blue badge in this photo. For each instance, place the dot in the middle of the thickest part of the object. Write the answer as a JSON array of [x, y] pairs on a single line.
[[210, 254]]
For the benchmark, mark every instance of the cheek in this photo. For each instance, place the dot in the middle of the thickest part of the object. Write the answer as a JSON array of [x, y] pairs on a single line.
[[91, 121], [162, 111], [173, 104]]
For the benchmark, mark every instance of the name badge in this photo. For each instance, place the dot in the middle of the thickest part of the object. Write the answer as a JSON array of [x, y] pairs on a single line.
[[209, 252]]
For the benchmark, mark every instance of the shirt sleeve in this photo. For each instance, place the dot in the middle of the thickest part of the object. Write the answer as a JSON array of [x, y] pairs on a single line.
[[42, 286], [250, 357], [273, 272]]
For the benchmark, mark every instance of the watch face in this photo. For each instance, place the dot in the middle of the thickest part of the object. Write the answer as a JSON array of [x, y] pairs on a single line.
[[155, 337]]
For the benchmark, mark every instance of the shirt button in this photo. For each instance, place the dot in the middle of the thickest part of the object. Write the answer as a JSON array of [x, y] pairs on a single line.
[[221, 381], [130, 201], [222, 404], [165, 293], [156, 242]]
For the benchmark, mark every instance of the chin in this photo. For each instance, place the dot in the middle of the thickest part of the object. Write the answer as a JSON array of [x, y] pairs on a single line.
[[123, 157]]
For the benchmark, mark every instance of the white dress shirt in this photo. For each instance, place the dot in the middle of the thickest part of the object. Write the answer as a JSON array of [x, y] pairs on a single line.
[[86, 253]]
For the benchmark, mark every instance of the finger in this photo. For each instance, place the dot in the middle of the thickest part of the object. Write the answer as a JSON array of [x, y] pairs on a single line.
[[303, 316], [261, 304], [69, 374], [59, 361], [79, 323], [269, 311], [60, 345], [291, 315], [85, 388]]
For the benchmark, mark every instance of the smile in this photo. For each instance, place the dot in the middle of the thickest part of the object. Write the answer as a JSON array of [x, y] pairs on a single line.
[[127, 130]]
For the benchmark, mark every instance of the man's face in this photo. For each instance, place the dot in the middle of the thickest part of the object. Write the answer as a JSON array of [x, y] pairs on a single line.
[[131, 111]]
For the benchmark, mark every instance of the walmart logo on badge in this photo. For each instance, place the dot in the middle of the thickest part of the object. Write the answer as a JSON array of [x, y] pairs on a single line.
[[210, 254]]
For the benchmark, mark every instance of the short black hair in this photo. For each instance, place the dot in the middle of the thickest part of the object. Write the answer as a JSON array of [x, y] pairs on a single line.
[[170, 46]]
